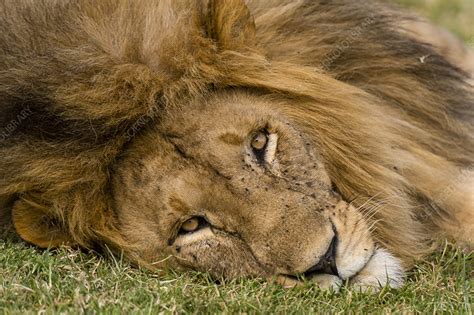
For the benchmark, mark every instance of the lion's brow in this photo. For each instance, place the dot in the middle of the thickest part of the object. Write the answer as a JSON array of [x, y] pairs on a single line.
[[231, 138]]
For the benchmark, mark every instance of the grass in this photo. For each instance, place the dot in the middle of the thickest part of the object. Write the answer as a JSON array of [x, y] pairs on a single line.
[[70, 281], [455, 15]]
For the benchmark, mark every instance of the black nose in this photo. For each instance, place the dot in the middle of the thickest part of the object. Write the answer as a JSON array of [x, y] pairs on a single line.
[[327, 264]]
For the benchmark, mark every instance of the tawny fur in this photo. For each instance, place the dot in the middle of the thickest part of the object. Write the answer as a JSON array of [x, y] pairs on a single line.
[[393, 117]]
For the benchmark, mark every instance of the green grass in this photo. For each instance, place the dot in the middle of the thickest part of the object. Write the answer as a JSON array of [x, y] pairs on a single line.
[[70, 281], [455, 15]]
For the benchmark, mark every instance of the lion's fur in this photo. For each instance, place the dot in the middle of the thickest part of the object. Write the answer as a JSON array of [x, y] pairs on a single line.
[[392, 117]]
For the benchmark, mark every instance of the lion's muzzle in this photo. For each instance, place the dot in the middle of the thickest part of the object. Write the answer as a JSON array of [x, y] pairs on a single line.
[[327, 264]]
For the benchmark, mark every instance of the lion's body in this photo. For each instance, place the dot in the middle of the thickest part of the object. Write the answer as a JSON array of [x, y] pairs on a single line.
[[391, 118]]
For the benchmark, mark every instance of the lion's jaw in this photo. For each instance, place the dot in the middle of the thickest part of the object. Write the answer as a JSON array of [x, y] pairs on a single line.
[[254, 216]]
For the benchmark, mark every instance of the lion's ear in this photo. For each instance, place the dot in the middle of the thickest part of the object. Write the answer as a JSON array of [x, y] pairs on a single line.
[[229, 23], [34, 224]]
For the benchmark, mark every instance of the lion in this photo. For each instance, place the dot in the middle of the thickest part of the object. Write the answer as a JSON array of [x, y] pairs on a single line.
[[321, 141]]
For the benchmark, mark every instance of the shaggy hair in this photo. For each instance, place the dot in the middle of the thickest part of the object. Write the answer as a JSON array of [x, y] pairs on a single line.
[[80, 79]]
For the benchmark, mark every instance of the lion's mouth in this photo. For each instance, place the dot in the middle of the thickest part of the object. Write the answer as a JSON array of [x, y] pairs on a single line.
[[325, 272], [327, 264]]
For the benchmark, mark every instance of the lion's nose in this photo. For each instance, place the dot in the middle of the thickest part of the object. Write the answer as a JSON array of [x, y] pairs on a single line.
[[327, 264]]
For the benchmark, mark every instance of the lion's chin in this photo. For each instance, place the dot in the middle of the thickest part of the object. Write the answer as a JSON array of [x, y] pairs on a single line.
[[382, 270]]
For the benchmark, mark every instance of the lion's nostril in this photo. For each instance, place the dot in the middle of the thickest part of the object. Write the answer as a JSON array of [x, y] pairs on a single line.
[[327, 264]]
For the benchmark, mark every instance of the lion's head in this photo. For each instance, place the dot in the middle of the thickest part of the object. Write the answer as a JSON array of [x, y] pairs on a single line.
[[230, 186], [285, 139]]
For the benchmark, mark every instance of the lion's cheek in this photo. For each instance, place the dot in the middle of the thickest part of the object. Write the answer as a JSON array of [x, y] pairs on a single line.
[[222, 257]]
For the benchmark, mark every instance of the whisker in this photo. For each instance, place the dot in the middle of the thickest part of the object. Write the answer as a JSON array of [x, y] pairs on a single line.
[[367, 201], [373, 225]]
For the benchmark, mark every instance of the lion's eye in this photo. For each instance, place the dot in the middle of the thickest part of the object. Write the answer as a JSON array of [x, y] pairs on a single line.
[[192, 225], [264, 146], [259, 141]]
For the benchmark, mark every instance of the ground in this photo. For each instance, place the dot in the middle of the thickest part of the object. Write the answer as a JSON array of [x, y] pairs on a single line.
[[71, 281], [68, 281]]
